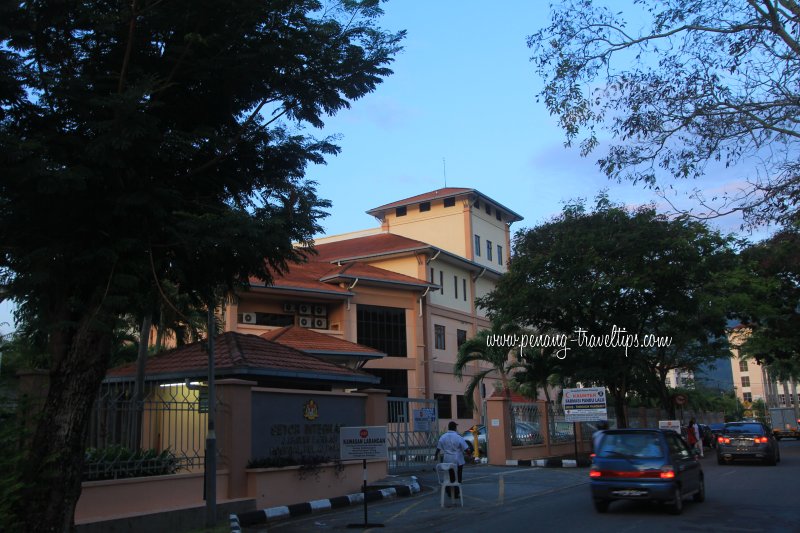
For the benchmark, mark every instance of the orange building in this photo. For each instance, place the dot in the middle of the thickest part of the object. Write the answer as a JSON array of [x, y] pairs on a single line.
[[406, 289]]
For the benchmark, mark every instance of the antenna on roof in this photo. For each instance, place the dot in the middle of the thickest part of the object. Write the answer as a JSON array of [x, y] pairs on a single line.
[[444, 171]]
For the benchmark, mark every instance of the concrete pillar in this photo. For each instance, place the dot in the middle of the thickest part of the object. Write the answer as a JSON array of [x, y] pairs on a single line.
[[498, 424], [376, 409], [234, 422], [544, 424]]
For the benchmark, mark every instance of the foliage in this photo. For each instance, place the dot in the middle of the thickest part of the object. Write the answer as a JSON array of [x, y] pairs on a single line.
[[478, 350], [13, 435], [620, 276], [680, 85], [152, 142], [775, 326], [117, 462]]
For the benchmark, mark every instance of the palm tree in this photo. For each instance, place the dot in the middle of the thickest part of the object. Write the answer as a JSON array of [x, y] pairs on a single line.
[[477, 349]]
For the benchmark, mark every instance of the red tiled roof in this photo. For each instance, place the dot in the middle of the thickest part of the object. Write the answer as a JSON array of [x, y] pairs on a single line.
[[322, 277], [385, 243], [314, 342], [425, 197], [241, 354]]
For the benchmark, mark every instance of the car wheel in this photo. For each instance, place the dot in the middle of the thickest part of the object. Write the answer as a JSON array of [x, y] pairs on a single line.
[[677, 504], [771, 460], [700, 495], [601, 506]]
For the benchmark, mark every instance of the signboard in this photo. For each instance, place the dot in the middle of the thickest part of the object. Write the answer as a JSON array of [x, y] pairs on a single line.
[[673, 425], [365, 442], [424, 418], [585, 405]]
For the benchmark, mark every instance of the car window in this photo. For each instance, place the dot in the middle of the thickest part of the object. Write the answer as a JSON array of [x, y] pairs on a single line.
[[677, 447], [751, 428], [639, 445]]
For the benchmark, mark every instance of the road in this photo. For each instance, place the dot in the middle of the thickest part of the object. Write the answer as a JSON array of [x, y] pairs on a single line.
[[741, 498]]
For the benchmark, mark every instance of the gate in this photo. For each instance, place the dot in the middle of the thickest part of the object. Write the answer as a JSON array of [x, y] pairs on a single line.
[[412, 432]]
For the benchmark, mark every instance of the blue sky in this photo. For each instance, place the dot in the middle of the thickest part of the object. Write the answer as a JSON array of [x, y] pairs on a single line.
[[461, 103]]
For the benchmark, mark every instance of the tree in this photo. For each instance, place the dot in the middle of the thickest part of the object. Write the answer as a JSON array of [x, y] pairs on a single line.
[[478, 350], [145, 141], [679, 85], [626, 292]]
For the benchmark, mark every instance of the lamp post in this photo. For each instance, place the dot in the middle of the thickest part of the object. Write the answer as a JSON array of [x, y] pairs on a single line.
[[211, 435]]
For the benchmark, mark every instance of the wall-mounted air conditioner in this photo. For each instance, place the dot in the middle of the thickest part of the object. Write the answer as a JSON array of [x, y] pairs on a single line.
[[248, 318], [321, 323], [320, 310], [289, 308], [304, 309], [305, 322]]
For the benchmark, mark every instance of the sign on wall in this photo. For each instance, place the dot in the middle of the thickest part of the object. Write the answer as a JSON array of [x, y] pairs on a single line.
[[424, 418], [365, 442], [585, 405]]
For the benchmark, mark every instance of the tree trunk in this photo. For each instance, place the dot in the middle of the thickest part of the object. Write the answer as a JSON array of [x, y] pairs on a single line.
[[52, 472], [619, 406]]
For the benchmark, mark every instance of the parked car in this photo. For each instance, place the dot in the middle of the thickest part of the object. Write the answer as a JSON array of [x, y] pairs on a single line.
[[716, 429], [645, 464], [526, 433], [747, 440]]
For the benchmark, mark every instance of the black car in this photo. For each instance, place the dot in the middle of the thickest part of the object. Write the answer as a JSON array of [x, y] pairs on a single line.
[[645, 464], [747, 440]]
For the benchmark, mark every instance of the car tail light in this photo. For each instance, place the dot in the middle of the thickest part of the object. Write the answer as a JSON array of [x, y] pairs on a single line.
[[667, 472], [592, 455], [723, 440], [595, 473], [761, 440]]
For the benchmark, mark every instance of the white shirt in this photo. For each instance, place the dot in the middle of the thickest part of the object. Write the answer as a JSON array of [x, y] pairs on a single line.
[[453, 447]]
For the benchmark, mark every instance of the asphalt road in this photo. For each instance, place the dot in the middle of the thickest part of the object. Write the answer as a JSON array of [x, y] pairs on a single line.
[[741, 498]]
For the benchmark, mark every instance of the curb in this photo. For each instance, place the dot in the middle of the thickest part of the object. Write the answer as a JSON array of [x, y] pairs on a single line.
[[301, 509], [549, 463]]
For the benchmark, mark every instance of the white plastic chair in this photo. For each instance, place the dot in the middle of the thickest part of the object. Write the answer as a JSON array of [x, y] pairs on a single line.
[[443, 474]]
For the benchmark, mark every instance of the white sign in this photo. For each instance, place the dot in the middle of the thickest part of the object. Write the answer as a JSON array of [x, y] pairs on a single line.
[[424, 418], [366, 442], [585, 405], [674, 425]]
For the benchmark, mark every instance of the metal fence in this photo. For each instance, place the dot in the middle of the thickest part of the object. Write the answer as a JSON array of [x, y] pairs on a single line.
[[163, 434], [527, 424], [412, 432]]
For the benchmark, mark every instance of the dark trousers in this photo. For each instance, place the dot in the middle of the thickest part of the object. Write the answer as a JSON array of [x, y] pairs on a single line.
[[457, 492]]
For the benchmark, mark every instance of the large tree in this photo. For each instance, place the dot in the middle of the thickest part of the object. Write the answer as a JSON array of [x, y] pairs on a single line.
[[144, 141], [588, 274], [679, 84]]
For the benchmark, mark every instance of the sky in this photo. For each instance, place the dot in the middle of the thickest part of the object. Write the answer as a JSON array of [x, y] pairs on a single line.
[[460, 110]]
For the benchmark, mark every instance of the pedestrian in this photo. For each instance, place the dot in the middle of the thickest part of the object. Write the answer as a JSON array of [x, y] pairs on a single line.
[[452, 447], [694, 437], [602, 426]]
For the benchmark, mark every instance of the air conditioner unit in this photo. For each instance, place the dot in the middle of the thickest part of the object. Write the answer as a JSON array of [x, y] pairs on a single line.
[[249, 318], [304, 309], [305, 322], [320, 310], [289, 308], [321, 323]]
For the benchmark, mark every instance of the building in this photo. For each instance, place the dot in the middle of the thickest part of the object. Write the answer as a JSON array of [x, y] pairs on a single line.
[[406, 288]]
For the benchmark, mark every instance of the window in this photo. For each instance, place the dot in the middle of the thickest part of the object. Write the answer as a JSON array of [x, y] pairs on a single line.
[[747, 396], [449, 202], [743, 366], [462, 411], [400, 211], [488, 209], [478, 245], [424, 206], [477, 204], [781, 399], [382, 328], [431, 275], [745, 381], [488, 250], [499, 255], [438, 333], [441, 281], [396, 381], [668, 382], [443, 403], [464, 286], [461, 337], [455, 285], [498, 215]]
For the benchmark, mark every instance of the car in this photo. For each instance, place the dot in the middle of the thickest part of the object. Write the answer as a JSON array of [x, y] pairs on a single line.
[[747, 440], [716, 429], [647, 465], [525, 433]]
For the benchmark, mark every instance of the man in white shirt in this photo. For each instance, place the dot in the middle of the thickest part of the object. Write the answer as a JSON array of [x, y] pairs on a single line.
[[452, 447]]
